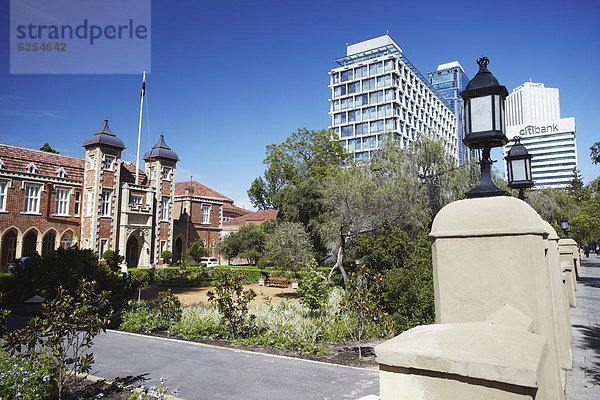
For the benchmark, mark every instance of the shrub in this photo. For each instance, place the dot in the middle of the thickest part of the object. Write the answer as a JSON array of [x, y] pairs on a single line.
[[65, 333], [200, 322], [27, 378], [113, 260], [162, 315], [313, 289], [66, 268], [166, 256], [231, 301]]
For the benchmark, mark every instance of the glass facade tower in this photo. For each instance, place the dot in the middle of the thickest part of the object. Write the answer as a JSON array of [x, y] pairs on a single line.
[[377, 93], [449, 80]]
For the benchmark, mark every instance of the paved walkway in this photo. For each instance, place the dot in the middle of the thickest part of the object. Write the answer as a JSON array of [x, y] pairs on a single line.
[[208, 372], [583, 382]]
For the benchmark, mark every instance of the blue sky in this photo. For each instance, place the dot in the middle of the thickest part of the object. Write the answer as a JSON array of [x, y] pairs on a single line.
[[230, 77]]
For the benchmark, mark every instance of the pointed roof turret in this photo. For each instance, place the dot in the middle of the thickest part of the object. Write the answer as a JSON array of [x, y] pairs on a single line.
[[105, 137], [161, 150]]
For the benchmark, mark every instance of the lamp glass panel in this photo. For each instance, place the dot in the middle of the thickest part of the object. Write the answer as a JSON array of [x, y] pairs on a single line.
[[467, 118], [518, 170], [497, 113], [481, 114], [528, 168]]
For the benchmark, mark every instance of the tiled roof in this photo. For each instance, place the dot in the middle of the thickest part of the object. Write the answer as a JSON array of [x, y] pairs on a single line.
[[105, 137], [257, 216], [235, 209], [17, 159], [161, 150], [128, 174], [199, 190]]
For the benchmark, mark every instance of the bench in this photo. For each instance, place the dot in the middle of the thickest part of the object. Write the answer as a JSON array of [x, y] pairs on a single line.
[[278, 281]]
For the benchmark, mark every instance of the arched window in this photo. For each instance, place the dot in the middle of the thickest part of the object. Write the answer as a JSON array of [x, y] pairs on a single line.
[[48, 243], [66, 241], [61, 173]]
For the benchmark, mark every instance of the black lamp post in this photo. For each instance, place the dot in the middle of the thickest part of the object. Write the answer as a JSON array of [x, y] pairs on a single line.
[[484, 124], [518, 165], [565, 226]]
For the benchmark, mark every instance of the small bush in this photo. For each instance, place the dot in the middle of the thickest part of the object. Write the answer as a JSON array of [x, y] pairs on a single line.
[[27, 378], [162, 315], [200, 322], [231, 300], [313, 289], [166, 256]]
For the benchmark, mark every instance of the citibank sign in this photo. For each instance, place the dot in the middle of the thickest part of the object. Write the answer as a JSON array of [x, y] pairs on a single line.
[[563, 125], [532, 129]]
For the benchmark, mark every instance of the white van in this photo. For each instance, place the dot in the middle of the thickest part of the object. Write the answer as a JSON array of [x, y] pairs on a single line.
[[209, 262]]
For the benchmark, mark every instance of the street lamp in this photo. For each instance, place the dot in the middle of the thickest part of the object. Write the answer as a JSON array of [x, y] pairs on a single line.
[[565, 226], [484, 124], [518, 165]]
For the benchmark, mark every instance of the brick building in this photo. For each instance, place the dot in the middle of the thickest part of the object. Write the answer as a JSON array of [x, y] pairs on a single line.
[[200, 213], [50, 200]]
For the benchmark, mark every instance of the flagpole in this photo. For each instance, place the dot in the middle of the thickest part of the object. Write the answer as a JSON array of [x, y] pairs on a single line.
[[137, 155]]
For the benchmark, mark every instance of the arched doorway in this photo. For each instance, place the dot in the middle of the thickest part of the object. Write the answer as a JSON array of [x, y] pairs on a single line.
[[177, 250], [66, 241], [48, 243], [132, 252], [30, 244], [9, 248]]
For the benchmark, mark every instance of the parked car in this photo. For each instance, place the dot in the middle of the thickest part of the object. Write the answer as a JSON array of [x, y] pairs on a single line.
[[209, 262], [17, 263]]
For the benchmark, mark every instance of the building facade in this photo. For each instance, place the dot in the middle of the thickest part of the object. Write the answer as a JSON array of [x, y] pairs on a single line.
[[51, 200], [553, 147], [533, 114], [200, 213], [377, 93], [449, 80]]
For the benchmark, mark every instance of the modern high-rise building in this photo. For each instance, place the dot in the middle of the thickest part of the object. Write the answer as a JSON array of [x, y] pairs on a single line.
[[377, 93], [533, 114], [532, 103], [449, 80]]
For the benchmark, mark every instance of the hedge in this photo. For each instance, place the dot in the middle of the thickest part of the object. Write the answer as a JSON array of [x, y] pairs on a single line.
[[200, 276]]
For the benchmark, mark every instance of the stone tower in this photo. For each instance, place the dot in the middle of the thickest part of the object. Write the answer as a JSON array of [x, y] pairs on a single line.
[[101, 185], [161, 162]]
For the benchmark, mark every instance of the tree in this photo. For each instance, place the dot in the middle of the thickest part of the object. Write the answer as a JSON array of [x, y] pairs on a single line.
[[48, 149], [248, 243], [362, 303], [404, 186], [595, 153], [289, 246], [196, 250], [576, 186], [293, 179]]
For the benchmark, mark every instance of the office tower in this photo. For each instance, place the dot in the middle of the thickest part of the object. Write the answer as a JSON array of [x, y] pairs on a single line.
[[377, 93], [449, 80], [533, 113], [532, 103]]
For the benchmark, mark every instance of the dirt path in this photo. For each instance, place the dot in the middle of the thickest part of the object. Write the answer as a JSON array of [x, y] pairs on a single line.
[[194, 295]]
